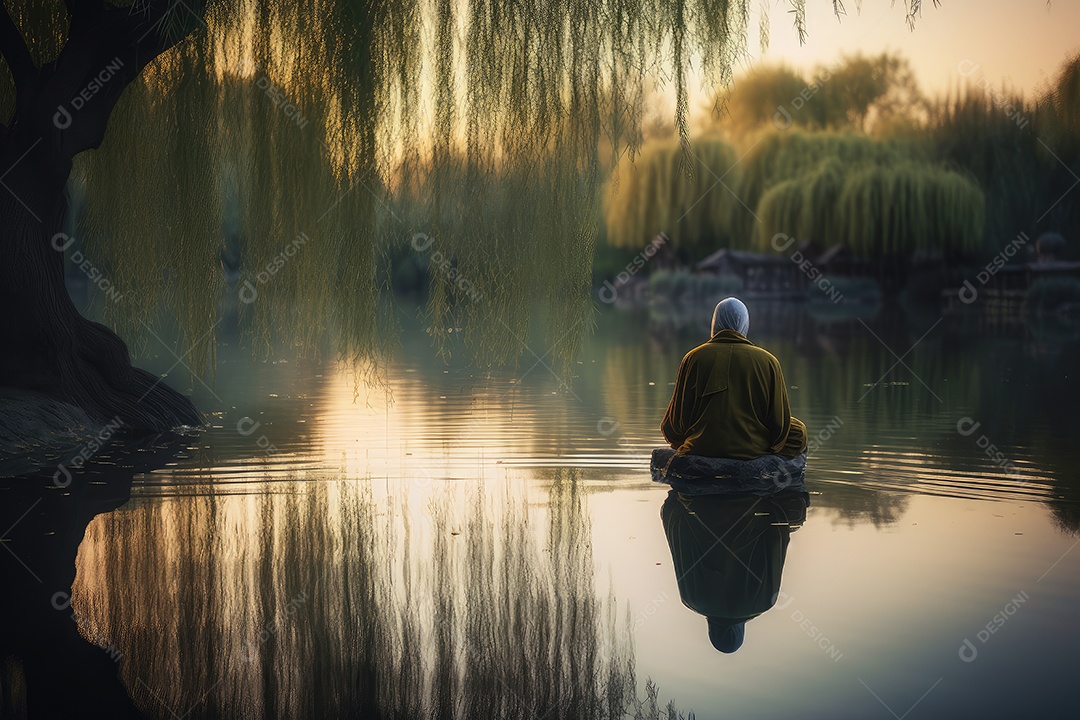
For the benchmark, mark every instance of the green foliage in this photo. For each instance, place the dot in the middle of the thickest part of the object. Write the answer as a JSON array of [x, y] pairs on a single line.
[[780, 156], [491, 112], [756, 98], [862, 89], [973, 132], [655, 194], [329, 134], [1064, 96], [824, 188], [856, 93], [781, 211], [880, 198], [889, 212], [486, 278], [1021, 155], [1024, 155], [153, 203]]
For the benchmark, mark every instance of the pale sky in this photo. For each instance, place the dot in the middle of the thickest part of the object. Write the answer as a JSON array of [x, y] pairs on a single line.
[[1022, 42]]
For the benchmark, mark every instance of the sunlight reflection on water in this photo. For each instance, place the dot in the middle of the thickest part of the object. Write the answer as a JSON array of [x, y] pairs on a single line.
[[478, 532]]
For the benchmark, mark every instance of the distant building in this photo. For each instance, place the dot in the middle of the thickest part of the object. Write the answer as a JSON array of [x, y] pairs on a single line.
[[760, 274]]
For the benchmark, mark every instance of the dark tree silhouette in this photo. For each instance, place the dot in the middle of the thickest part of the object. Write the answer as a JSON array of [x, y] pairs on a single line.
[[50, 346], [313, 117]]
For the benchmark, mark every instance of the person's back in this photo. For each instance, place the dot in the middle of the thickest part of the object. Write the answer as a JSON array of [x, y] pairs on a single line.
[[730, 398]]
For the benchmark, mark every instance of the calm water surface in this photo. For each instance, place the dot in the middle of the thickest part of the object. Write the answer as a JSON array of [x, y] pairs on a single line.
[[444, 541]]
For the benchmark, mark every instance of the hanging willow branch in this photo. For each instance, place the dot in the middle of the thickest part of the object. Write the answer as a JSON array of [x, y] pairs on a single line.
[[299, 143]]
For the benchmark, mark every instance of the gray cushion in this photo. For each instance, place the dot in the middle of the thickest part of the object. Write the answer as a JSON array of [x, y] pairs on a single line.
[[697, 475]]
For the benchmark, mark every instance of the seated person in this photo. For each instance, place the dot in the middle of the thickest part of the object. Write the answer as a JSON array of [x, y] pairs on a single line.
[[730, 399]]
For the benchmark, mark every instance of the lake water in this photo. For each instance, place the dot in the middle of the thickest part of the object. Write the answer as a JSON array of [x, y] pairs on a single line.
[[443, 541]]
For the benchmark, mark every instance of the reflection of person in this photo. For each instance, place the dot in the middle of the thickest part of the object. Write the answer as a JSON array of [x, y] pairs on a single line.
[[730, 399], [728, 555]]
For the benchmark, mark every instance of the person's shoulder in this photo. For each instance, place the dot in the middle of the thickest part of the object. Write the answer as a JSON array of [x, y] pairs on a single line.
[[761, 354], [708, 351], [698, 352]]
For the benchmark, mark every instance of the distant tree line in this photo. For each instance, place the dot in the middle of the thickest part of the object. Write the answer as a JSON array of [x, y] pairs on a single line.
[[854, 154]]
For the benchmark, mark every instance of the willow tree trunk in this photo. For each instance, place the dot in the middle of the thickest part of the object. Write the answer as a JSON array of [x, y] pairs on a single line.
[[62, 108]]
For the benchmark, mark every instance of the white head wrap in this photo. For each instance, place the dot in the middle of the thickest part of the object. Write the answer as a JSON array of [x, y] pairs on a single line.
[[731, 314]]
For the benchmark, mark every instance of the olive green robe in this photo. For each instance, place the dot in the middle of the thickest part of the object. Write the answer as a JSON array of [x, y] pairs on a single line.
[[730, 401]]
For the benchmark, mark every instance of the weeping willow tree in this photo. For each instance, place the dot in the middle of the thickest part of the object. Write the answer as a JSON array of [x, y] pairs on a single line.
[[1064, 96], [881, 198], [879, 211], [775, 158], [1025, 154], [308, 118], [655, 194]]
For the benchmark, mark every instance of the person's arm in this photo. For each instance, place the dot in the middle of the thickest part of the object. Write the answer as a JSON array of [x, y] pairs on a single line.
[[677, 420], [779, 421]]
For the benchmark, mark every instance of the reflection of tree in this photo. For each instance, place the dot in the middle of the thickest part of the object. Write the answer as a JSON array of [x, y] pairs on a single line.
[[1026, 400], [56, 663], [323, 601], [856, 506], [1067, 516]]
